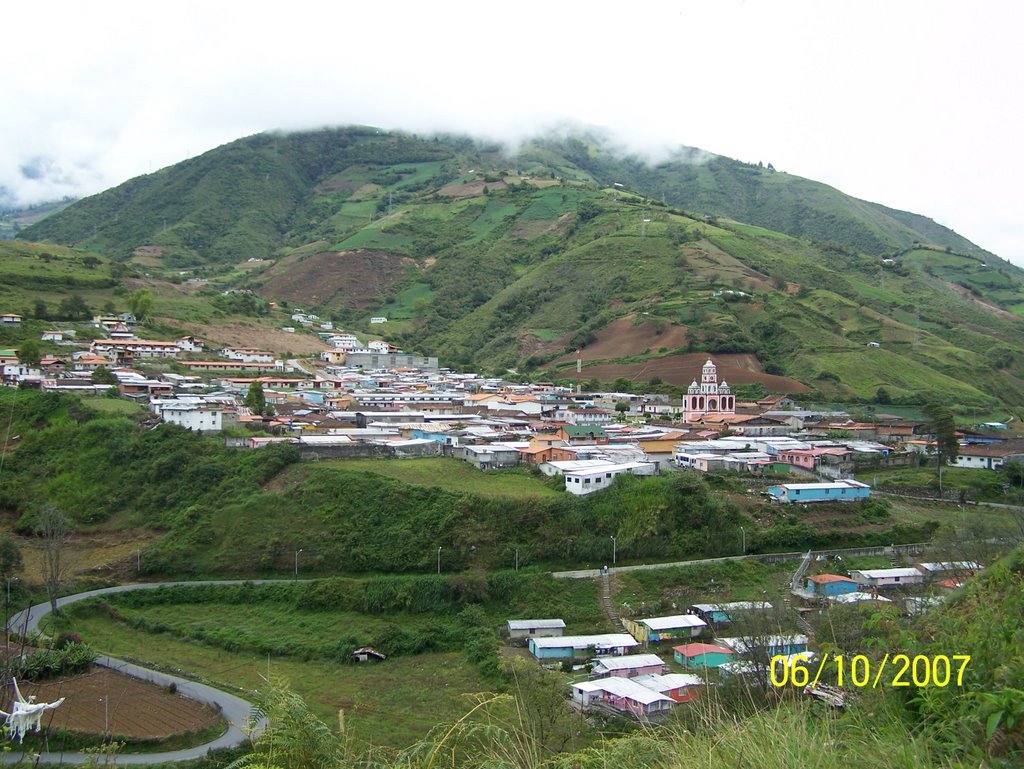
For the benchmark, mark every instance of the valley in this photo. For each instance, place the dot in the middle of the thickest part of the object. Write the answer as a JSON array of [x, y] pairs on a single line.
[[401, 387]]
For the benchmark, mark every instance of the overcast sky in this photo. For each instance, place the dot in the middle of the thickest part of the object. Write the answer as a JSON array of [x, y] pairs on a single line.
[[916, 105]]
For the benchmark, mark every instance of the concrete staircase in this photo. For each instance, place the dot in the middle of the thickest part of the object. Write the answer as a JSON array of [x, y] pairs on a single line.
[[608, 604], [798, 575]]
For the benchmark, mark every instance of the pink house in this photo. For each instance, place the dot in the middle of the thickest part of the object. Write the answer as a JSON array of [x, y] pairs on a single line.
[[622, 694]]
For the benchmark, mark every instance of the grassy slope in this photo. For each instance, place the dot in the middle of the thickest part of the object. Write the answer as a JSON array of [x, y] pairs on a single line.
[[454, 475], [390, 704]]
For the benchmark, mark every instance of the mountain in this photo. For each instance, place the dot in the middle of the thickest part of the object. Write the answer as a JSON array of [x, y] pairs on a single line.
[[515, 260]]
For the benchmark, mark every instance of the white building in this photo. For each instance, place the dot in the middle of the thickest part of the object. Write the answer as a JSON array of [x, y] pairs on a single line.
[[378, 319], [247, 355], [378, 346], [17, 372], [189, 344], [344, 342], [194, 416], [887, 577], [139, 348], [57, 336], [989, 456], [535, 628], [583, 482]]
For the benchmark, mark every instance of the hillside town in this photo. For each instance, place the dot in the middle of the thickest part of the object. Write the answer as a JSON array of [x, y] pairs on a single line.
[[375, 399]]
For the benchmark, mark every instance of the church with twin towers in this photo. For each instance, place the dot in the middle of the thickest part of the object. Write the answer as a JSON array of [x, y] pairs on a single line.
[[710, 396]]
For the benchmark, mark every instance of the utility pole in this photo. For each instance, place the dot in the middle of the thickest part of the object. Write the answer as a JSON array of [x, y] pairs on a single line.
[[614, 544], [297, 562], [517, 560], [438, 559]]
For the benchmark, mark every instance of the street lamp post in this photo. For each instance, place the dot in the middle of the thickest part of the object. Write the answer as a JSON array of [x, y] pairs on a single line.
[[7, 616], [138, 562], [297, 562], [744, 533], [438, 559], [614, 544], [106, 717]]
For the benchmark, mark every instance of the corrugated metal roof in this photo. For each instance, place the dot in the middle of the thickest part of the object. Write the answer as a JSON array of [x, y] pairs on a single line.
[[538, 624], [629, 661], [668, 623], [585, 641]]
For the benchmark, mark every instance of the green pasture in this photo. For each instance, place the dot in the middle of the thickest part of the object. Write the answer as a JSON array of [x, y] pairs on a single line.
[[548, 334], [406, 303], [388, 705], [453, 475], [494, 214]]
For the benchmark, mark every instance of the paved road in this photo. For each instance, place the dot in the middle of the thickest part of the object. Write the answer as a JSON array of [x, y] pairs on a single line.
[[770, 557], [235, 710]]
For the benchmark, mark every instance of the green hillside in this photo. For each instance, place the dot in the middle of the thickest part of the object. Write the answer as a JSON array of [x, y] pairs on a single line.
[[716, 185], [244, 513], [513, 262]]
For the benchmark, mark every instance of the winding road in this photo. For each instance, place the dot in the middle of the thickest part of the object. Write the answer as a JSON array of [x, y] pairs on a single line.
[[235, 710]]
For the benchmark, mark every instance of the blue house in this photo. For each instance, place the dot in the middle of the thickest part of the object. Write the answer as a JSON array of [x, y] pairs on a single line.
[[830, 585], [701, 655], [722, 613], [837, 491], [773, 646], [571, 646]]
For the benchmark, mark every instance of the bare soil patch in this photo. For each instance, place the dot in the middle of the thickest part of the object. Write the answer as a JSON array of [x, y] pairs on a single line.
[[149, 252], [338, 278], [528, 229], [469, 189], [623, 338], [970, 295], [531, 345], [135, 708], [96, 554], [253, 335]]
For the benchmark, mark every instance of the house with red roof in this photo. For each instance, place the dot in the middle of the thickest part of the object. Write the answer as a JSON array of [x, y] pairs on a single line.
[[830, 585], [702, 655]]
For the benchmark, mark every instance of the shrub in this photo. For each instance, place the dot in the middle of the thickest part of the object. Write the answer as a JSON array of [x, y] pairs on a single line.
[[53, 663]]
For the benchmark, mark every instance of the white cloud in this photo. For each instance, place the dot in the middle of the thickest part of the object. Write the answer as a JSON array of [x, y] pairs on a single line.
[[904, 104]]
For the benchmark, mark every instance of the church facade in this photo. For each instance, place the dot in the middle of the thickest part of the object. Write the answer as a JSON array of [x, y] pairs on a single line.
[[710, 396]]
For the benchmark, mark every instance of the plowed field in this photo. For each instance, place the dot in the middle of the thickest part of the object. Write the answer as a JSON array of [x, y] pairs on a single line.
[[135, 709]]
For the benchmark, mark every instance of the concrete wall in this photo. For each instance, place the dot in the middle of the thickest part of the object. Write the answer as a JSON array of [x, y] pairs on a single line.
[[369, 450]]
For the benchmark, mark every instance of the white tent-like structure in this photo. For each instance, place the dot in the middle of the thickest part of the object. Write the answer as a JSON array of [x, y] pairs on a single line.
[[25, 714]]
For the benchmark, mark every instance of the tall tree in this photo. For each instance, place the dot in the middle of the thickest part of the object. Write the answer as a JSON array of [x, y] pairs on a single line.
[[141, 304], [28, 353], [73, 308], [940, 423], [103, 375], [255, 399], [10, 557], [54, 530]]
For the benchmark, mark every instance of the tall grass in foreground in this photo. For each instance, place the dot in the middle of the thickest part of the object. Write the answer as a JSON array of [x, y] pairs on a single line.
[[499, 732]]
